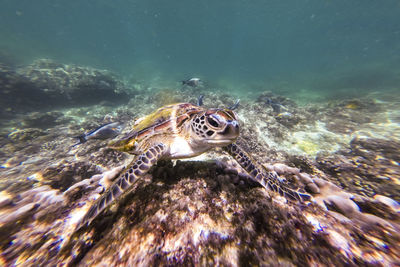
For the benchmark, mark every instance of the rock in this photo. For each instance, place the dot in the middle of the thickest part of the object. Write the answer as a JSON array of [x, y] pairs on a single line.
[[359, 171], [46, 84], [22, 135], [320, 182], [371, 219], [282, 168], [394, 205], [17, 214], [5, 199], [65, 175], [312, 188], [41, 120], [343, 205], [305, 178]]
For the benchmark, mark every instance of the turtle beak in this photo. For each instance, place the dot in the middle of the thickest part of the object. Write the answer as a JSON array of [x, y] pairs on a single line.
[[228, 135], [231, 130]]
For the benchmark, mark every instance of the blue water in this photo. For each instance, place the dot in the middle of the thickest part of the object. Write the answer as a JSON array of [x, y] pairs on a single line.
[[316, 45]]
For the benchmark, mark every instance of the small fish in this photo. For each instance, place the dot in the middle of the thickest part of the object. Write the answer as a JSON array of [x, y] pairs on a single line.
[[269, 101], [276, 107], [200, 100], [105, 131], [235, 106], [284, 115], [193, 82]]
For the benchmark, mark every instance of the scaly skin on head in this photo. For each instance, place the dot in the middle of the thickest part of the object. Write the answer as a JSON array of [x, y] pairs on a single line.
[[215, 127]]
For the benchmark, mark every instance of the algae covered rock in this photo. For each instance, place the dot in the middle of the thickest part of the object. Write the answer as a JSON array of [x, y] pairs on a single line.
[[77, 85], [46, 84], [369, 168], [189, 213]]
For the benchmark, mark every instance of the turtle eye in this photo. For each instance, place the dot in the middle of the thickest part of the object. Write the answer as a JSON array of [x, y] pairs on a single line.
[[213, 122]]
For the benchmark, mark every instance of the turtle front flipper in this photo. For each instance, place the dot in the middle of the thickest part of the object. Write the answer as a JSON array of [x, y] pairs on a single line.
[[128, 177], [267, 179]]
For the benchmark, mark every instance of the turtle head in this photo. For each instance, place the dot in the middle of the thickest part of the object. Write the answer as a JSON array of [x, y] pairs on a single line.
[[215, 127]]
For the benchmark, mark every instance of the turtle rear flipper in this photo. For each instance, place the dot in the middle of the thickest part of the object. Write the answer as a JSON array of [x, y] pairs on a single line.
[[268, 179], [124, 183]]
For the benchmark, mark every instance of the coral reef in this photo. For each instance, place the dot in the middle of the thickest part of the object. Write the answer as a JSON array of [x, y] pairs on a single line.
[[47, 85], [369, 168], [202, 211]]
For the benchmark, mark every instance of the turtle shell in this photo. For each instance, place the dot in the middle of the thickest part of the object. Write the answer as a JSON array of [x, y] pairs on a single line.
[[165, 121]]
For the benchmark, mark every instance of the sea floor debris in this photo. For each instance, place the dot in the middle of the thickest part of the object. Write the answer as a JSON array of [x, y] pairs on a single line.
[[205, 211]]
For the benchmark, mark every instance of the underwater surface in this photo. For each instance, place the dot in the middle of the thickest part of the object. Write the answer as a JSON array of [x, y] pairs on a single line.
[[284, 153]]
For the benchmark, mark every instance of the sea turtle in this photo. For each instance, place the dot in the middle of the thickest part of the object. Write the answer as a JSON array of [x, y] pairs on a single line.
[[181, 131]]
